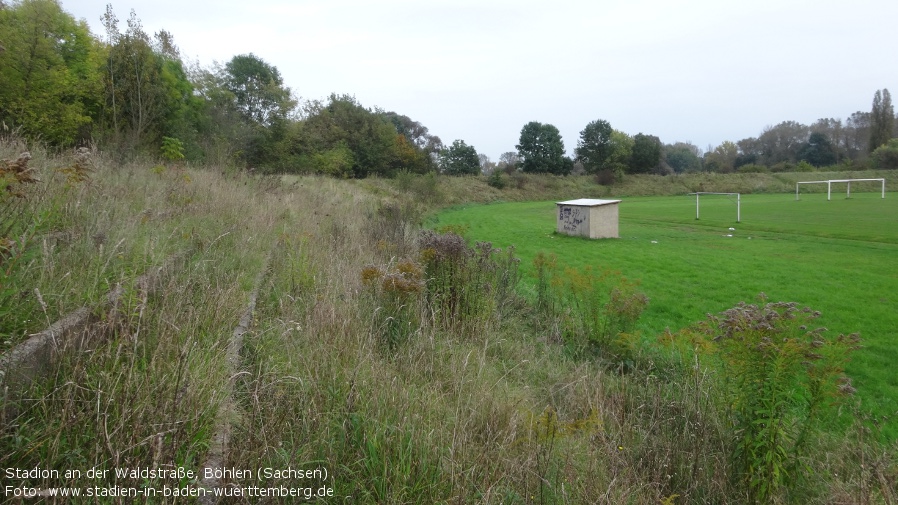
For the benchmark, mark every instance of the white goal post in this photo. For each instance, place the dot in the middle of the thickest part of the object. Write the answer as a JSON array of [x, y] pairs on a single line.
[[738, 203], [829, 186]]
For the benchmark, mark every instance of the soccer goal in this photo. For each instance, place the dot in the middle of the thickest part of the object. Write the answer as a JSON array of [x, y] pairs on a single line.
[[738, 203], [829, 186]]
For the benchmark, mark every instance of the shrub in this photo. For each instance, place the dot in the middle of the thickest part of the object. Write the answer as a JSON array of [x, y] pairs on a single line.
[[781, 376], [425, 187], [605, 177], [466, 286], [783, 166], [496, 180], [886, 156], [752, 168], [804, 166], [394, 291], [596, 310]]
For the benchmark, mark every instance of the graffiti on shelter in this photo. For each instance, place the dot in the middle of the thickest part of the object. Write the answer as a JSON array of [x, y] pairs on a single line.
[[571, 218]]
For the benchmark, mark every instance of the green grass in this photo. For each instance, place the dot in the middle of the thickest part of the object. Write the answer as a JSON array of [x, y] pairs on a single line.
[[838, 257]]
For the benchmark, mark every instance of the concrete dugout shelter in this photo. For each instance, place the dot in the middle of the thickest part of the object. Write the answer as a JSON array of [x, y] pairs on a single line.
[[588, 217]]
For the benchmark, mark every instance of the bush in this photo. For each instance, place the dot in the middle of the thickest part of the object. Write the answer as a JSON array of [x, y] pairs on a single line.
[[394, 292], [804, 166], [605, 177], [781, 375], [496, 180], [886, 156], [466, 286], [752, 168], [595, 310]]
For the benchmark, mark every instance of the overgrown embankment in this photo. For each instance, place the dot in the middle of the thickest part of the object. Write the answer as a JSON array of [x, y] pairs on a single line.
[[447, 191]]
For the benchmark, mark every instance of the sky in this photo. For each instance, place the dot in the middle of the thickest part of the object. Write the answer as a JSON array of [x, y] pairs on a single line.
[[699, 71]]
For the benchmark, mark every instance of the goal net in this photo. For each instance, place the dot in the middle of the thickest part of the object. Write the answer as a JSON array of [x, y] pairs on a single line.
[[829, 186], [738, 203]]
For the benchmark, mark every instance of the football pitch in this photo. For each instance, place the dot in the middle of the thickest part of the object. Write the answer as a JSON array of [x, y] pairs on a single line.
[[839, 257]]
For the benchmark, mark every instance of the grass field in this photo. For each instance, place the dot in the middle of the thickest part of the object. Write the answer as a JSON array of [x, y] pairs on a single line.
[[838, 257]]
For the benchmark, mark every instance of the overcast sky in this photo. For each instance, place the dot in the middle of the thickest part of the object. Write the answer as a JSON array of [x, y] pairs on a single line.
[[701, 71]]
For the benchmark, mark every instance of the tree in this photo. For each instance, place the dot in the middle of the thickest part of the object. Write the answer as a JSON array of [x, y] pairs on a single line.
[[460, 159], [148, 95], [258, 89], [595, 146], [886, 155], [541, 150], [343, 124], [818, 151], [415, 132], [621, 152], [857, 136], [646, 153], [722, 159], [343, 138], [263, 103], [683, 157], [751, 152], [221, 132], [836, 133], [49, 73], [509, 161], [486, 165], [882, 118], [782, 142]]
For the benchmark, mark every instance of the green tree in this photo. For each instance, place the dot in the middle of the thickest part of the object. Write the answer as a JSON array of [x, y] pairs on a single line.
[[147, 92], [264, 104], [49, 72], [683, 157], [343, 126], [646, 153], [882, 119], [221, 132], [258, 89], [818, 151], [621, 152], [542, 150], [460, 159], [886, 156], [595, 146]]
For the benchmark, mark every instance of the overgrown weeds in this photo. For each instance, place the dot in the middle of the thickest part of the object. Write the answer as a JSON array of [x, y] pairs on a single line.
[[595, 312], [468, 288], [781, 376]]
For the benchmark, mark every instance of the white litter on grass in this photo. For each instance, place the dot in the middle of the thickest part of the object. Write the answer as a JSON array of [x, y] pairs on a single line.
[[654, 241], [732, 229], [729, 235]]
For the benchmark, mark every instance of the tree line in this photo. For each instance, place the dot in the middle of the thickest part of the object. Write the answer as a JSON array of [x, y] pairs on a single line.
[[132, 93]]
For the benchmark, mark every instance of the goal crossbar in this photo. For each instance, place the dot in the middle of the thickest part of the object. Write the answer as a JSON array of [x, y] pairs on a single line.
[[738, 202], [829, 186]]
